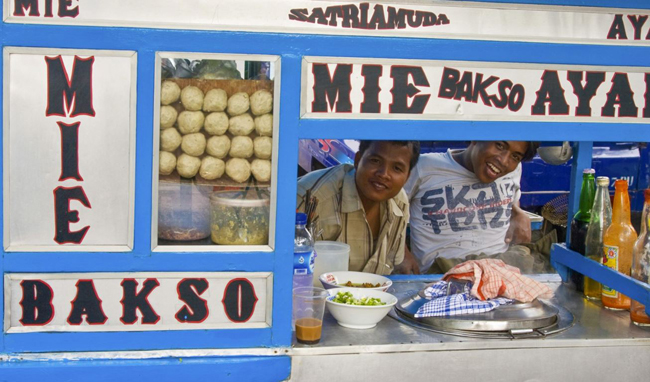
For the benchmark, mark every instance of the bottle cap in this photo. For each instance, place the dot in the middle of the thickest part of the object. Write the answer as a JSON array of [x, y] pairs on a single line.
[[602, 181], [301, 218], [621, 184], [589, 171]]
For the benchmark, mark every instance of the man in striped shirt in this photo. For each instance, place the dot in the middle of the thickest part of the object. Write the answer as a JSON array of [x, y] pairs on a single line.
[[364, 205]]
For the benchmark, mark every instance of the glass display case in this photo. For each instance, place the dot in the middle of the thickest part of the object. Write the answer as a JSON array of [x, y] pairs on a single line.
[[216, 150]]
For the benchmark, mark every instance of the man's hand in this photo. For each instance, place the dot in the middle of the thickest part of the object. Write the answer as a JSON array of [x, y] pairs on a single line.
[[519, 230], [409, 265]]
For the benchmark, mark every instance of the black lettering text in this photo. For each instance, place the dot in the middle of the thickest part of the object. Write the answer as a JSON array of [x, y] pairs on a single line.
[[403, 90], [133, 300], [334, 89], [36, 303], [64, 216], [195, 309]]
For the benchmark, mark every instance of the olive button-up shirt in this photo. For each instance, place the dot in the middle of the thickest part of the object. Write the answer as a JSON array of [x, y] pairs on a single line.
[[342, 218]]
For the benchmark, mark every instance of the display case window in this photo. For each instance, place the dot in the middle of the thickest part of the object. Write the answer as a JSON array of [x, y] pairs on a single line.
[[216, 139]]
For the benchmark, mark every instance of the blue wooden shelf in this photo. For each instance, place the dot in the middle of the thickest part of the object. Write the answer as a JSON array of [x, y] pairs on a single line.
[[564, 259]]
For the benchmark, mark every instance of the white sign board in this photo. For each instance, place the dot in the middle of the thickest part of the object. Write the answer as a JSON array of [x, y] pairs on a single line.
[[69, 149], [476, 21], [108, 302], [348, 88]]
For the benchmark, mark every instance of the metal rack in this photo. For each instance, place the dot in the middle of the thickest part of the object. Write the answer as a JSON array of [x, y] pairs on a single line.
[[563, 259]]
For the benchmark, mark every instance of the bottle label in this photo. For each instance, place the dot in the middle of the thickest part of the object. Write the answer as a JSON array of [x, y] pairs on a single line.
[[303, 263], [610, 259]]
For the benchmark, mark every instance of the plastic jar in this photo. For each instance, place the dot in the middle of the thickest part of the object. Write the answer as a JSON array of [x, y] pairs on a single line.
[[240, 217], [183, 211]]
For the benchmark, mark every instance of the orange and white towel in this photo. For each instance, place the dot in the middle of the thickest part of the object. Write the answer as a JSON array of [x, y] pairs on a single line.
[[491, 278]]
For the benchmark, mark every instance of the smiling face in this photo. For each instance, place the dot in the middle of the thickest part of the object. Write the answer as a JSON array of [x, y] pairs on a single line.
[[494, 159], [382, 171]]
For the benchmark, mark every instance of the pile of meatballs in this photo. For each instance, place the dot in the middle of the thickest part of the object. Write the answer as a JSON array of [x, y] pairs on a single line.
[[216, 134]]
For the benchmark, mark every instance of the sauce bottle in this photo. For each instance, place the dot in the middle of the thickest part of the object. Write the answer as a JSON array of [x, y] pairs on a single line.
[[580, 222], [618, 244], [641, 264], [601, 219]]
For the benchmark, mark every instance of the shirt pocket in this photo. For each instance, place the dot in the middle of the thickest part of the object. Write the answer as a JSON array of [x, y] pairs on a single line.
[[358, 256], [356, 235]]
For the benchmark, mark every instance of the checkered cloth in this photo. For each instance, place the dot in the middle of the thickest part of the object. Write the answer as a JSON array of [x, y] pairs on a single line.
[[492, 278], [442, 304]]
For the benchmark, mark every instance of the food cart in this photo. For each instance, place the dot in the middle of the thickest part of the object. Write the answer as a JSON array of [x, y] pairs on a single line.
[[95, 287]]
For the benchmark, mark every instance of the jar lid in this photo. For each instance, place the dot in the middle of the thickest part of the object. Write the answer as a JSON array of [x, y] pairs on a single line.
[[253, 197]]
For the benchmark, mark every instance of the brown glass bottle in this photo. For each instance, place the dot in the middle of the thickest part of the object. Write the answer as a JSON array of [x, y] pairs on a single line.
[[641, 264], [618, 244]]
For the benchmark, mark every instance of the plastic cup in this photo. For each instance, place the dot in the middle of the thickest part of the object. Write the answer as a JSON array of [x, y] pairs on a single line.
[[308, 310], [331, 256]]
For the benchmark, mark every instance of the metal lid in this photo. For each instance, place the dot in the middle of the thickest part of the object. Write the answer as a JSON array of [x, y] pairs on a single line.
[[242, 198], [532, 315], [602, 181]]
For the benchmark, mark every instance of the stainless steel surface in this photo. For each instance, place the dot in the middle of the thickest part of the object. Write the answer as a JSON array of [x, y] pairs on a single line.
[[594, 326], [576, 364], [518, 316], [395, 351]]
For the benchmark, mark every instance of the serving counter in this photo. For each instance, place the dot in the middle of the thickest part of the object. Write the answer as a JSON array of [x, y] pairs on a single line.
[[599, 345]]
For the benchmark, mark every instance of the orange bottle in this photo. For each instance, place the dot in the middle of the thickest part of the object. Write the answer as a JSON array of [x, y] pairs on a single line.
[[618, 244]]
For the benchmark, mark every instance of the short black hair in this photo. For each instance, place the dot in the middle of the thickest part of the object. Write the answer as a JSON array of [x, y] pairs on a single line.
[[414, 145], [531, 150]]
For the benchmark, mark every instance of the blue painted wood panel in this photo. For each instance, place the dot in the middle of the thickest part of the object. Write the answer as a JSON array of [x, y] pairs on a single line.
[[238, 369], [291, 48]]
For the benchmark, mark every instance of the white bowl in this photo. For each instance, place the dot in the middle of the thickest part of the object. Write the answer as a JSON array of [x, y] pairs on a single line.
[[360, 316], [343, 277]]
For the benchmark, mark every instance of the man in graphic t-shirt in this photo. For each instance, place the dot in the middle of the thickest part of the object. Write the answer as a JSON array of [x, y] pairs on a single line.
[[465, 202]]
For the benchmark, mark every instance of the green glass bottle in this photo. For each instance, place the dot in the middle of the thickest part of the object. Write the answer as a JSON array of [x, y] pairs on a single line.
[[580, 222], [601, 219]]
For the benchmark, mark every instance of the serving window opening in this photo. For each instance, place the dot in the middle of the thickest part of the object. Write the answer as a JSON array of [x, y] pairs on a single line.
[[541, 192]]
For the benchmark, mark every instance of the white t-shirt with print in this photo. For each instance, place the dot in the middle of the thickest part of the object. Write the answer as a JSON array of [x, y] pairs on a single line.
[[453, 214]]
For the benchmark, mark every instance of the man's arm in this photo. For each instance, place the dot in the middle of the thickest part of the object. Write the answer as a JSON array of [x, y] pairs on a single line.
[[409, 265], [519, 229]]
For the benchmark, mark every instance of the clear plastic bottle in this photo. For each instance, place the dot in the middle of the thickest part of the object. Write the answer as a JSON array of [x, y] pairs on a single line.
[[618, 245], [641, 264], [601, 219], [580, 222], [303, 254]]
